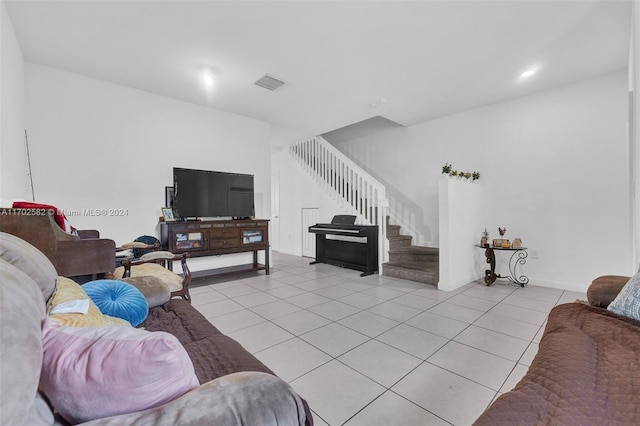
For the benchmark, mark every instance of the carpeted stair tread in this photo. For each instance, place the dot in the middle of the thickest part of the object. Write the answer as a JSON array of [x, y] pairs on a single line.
[[409, 262], [397, 241], [422, 272], [393, 230], [398, 237], [417, 250], [408, 254], [419, 266]]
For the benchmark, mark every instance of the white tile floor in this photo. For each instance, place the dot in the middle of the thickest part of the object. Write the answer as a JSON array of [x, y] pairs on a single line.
[[379, 350]]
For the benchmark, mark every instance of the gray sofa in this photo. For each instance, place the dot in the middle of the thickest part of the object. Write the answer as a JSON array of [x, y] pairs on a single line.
[[27, 281]]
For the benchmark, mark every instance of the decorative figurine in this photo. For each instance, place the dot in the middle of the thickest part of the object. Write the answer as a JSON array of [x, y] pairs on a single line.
[[501, 231], [484, 240]]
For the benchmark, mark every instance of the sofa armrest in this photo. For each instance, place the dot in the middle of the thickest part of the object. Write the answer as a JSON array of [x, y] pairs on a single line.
[[248, 398], [85, 257], [604, 289]]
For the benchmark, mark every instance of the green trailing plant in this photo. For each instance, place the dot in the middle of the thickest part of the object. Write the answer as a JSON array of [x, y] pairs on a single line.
[[448, 169]]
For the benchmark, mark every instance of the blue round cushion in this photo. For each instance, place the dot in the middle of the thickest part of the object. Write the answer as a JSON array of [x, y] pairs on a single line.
[[118, 299]]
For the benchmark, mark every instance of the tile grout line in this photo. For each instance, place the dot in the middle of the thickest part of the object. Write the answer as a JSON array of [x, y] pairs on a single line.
[[342, 281]]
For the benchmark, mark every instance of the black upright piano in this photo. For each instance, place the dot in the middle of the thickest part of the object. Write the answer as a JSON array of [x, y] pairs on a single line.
[[347, 245]]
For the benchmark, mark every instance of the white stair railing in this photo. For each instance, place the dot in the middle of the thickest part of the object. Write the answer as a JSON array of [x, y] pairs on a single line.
[[354, 189]]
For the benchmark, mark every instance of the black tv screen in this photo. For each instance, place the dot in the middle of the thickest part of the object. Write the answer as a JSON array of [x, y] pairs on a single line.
[[204, 193]]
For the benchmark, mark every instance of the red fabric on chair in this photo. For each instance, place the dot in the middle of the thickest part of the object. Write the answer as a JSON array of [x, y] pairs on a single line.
[[58, 214]]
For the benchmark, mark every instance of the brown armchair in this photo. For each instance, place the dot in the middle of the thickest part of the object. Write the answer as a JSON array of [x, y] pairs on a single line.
[[72, 255]]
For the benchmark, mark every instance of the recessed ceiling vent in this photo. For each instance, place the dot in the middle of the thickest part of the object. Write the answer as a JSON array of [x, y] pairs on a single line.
[[270, 83]]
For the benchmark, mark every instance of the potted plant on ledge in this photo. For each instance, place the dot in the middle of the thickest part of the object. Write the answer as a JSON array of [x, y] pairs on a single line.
[[448, 170]]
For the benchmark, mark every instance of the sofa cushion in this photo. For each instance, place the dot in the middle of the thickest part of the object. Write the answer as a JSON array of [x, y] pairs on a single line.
[[170, 278], [95, 372], [244, 398], [118, 299], [22, 309], [213, 354], [29, 260], [154, 289], [68, 290], [627, 302], [40, 414]]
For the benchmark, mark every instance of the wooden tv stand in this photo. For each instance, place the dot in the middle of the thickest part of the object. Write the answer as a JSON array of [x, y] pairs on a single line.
[[217, 237]]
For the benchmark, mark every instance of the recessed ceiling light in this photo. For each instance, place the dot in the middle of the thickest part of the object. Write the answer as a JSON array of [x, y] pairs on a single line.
[[207, 79], [528, 73]]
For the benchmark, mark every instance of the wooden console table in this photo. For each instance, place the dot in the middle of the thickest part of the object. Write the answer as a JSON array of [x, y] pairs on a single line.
[[518, 257], [219, 237]]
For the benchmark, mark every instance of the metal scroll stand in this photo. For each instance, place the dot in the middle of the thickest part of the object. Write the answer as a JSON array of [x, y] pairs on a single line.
[[518, 257]]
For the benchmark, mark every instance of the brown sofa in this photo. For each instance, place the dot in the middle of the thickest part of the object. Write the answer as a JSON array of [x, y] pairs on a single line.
[[235, 388], [586, 371]]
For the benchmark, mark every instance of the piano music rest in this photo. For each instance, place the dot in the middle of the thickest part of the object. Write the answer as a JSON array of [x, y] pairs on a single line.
[[349, 246]]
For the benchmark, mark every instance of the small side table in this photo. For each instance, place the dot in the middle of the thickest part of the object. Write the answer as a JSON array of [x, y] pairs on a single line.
[[518, 257]]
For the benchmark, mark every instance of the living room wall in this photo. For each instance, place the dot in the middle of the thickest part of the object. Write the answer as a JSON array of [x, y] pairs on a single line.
[[555, 170], [298, 190], [13, 158], [634, 129], [97, 145]]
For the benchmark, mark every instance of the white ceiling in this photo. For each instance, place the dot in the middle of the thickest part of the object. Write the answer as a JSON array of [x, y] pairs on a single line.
[[426, 59]]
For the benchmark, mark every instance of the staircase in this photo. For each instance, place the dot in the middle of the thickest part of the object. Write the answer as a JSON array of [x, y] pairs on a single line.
[[414, 263], [356, 192], [352, 188]]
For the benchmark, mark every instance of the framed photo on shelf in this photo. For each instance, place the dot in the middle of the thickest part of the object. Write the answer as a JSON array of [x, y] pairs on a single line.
[[167, 214]]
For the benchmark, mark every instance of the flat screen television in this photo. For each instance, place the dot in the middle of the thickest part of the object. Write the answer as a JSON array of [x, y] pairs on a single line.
[[204, 193]]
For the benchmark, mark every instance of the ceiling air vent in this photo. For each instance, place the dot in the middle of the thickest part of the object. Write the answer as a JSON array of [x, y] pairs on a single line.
[[270, 83]]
